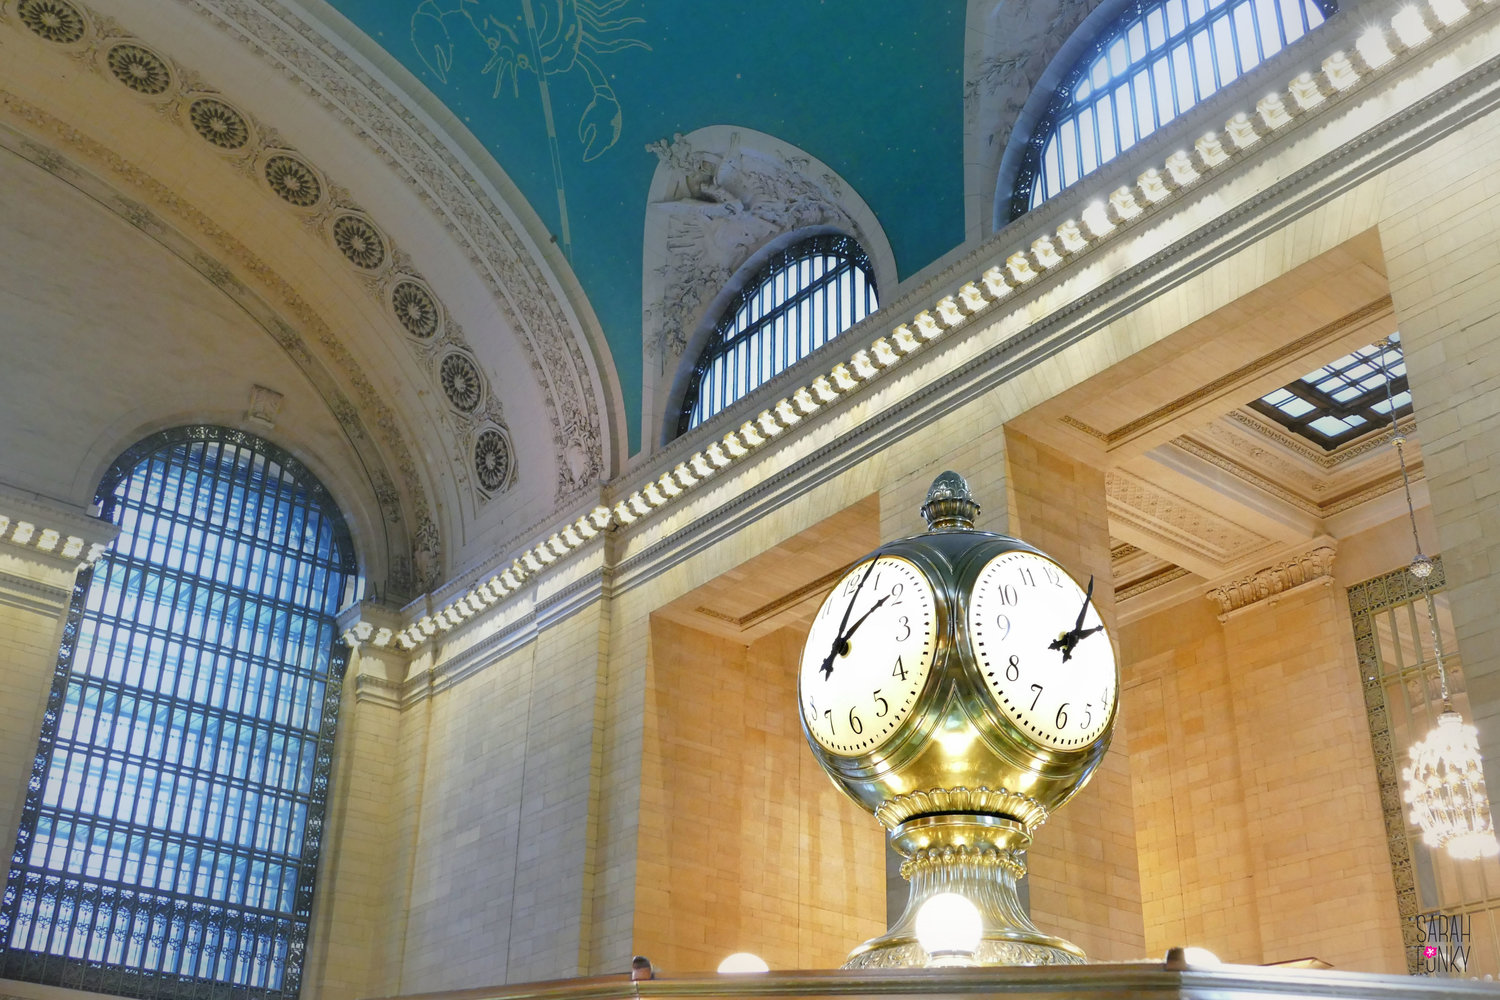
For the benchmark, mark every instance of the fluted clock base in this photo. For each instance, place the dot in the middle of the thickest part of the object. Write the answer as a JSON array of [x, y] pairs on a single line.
[[979, 858]]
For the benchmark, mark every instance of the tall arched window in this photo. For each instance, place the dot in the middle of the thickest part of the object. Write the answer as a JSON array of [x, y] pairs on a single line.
[[800, 298], [174, 817], [1153, 62]]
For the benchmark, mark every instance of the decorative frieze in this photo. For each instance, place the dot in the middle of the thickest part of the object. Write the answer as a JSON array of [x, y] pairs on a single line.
[[1310, 569]]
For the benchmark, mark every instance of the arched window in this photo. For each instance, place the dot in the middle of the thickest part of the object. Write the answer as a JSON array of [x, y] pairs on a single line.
[[1154, 62], [172, 824], [801, 298]]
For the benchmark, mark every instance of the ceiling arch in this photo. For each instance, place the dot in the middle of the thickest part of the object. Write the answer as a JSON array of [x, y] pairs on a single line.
[[262, 220]]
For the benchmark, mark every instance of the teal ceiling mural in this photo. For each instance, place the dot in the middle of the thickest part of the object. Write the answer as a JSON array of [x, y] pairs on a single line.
[[566, 94]]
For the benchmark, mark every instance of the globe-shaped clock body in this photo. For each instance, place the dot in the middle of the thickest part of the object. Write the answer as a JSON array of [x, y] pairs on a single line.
[[958, 659]]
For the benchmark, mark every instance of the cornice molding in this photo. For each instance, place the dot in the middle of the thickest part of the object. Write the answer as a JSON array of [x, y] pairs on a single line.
[[1306, 451], [1161, 513], [1268, 586], [26, 594], [60, 535]]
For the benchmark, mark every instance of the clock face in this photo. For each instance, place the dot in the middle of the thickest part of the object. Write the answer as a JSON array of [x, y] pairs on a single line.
[[868, 656], [1023, 604]]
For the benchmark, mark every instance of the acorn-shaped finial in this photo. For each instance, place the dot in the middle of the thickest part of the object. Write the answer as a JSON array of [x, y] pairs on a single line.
[[950, 506]]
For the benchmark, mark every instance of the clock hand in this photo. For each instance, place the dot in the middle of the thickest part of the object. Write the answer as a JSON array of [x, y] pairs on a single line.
[[1085, 609], [838, 643], [843, 645], [1069, 639]]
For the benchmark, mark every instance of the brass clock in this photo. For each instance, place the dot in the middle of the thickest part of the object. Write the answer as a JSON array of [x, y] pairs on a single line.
[[960, 685]]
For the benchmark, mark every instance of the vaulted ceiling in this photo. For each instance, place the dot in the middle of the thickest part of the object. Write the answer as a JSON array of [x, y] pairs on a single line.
[[567, 94]]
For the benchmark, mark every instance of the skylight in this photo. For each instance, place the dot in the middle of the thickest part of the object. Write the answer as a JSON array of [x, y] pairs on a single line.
[[1345, 399]]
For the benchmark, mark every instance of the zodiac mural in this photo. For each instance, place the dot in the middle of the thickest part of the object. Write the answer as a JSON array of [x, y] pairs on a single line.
[[546, 38]]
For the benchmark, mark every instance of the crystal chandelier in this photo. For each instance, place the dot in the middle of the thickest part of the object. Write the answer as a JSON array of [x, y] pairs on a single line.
[[1444, 779]]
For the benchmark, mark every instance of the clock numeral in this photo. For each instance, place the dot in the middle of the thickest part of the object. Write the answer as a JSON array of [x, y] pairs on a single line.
[[828, 714], [1038, 689], [1062, 715], [1052, 575], [1088, 716], [1007, 594], [1013, 668], [855, 724], [885, 706], [812, 712], [896, 592], [899, 670], [905, 623], [1002, 622], [1024, 572]]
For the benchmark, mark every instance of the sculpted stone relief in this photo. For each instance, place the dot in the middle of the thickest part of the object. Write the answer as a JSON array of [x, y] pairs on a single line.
[[551, 337], [719, 196], [1010, 45]]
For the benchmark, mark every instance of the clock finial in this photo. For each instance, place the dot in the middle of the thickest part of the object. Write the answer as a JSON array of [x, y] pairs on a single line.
[[950, 506]]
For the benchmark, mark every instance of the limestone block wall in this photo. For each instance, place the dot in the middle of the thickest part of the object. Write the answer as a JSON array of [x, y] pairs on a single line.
[[745, 845], [1259, 821], [1441, 233], [353, 914], [1197, 871]]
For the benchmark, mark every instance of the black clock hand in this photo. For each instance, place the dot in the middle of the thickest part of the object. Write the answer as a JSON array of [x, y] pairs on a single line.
[[843, 645], [1069, 639], [1078, 627], [838, 642]]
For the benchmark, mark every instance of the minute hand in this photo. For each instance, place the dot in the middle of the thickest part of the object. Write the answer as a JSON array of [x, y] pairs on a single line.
[[841, 644]]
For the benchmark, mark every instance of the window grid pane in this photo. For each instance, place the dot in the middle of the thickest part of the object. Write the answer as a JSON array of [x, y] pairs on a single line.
[[166, 845], [1154, 63], [1344, 399], [805, 296]]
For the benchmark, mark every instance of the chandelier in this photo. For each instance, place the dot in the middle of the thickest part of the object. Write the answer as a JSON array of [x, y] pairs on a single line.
[[1444, 779]]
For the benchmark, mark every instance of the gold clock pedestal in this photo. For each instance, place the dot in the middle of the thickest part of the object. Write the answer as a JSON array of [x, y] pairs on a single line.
[[979, 857], [961, 686]]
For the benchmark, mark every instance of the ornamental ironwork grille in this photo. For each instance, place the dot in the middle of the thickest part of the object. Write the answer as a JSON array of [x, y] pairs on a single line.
[[1450, 910], [174, 815], [800, 298], [1152, 64], [1344, 399]]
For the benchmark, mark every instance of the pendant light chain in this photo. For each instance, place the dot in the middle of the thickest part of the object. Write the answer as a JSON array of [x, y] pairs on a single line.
[[1421, 564]]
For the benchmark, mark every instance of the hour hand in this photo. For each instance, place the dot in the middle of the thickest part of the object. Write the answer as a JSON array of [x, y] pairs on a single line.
[[1068, 641]]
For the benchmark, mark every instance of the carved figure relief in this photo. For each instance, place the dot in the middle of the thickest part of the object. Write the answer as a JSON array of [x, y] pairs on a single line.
[[545, 38], [723, 203]]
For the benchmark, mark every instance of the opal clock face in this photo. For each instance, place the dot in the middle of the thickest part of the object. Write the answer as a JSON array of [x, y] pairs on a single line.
[[868, 656], [1023, 604]]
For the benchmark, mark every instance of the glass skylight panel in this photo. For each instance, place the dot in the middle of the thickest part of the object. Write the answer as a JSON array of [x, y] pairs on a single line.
[[1184, 50], [1343, 400], [804, 297]]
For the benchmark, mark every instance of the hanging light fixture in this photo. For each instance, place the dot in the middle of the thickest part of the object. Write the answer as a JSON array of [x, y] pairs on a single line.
[[1445, 778]]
